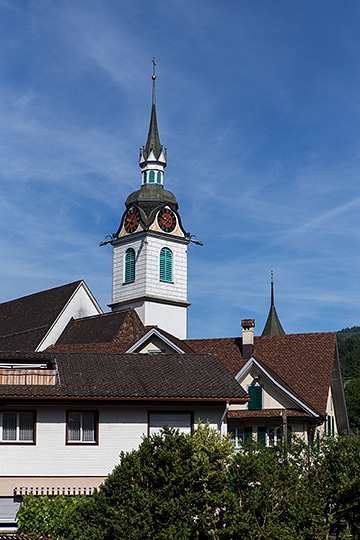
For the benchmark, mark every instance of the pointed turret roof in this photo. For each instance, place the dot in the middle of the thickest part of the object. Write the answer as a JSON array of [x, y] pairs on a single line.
[[153, 140], [273, 325]]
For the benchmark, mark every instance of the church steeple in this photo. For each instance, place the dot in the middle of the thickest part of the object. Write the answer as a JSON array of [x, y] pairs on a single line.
[[150, 245], [152, 157], [273, 325]]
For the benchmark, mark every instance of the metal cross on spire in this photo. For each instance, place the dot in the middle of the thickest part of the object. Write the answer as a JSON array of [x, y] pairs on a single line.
[[153, 78]]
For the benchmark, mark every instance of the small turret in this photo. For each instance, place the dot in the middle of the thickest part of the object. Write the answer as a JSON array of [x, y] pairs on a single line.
[[273, 325]]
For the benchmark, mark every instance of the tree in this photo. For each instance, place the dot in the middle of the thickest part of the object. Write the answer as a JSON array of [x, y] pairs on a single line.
[[40, 516], [298, 491], [173, 487]]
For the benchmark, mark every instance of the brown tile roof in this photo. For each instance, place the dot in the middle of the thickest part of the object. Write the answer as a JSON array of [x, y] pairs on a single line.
[[134, 376], [265, 413], [227, 349], [181, 343], [25, 321], [104, 328], [301, 362]]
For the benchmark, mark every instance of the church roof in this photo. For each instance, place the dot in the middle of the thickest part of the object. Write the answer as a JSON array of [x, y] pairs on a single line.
[[25, 321], [132, 376]]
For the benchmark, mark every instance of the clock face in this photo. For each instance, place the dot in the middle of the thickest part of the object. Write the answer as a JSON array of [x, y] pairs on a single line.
[[166, 220], [132, 219]]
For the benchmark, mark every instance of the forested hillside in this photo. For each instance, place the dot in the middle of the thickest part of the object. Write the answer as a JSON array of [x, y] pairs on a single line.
[[349, 349]]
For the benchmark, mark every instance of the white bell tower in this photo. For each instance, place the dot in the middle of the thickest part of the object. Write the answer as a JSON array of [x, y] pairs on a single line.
[[150, 246]]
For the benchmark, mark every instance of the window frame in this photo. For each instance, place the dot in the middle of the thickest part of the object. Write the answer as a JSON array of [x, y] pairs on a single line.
[[166, 258], [164, 412], [81, 442], [129, 265], [242, 435], [18, 441]]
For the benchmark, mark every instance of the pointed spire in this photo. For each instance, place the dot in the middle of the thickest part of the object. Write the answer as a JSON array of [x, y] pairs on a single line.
[[273, 325], [153, 140]]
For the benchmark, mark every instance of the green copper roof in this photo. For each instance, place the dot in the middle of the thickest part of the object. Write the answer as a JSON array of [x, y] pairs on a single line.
[[151, 193], [273, 325]]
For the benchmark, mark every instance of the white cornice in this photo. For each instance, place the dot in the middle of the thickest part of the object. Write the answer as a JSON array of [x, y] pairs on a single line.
[[158, 334]]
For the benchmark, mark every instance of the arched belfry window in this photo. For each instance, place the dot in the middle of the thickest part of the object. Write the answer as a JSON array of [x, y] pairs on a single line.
[[166, 265], [129, 274], [151, 177]]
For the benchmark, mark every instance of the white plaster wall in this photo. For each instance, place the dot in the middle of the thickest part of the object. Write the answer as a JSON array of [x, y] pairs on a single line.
[[153, 344], [120, 428], [272, 397], [81, 304], [172, 319]]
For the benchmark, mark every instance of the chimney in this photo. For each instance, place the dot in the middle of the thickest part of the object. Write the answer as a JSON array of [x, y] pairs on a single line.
[[248, 326]]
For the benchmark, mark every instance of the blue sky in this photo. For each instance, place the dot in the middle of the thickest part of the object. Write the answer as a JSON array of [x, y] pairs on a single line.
[[258, 105]]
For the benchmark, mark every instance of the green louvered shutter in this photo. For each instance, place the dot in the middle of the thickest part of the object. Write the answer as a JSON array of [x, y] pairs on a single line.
[[255, 394], [261, 435], [151, 177], [129, 265], [166, 265], [247, 433]]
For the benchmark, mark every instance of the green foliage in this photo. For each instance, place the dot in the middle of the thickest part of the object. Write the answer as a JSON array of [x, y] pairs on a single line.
[[300, 491], [349, 351], [346, 333], [173, 487], [41, 516], [352, 395], [189, 487]]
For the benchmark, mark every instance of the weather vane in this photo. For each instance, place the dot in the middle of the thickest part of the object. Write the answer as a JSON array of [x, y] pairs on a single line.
[[154, 64]]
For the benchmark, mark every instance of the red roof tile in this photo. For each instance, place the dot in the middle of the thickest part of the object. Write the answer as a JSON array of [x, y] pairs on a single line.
[[265, 413], [303, 362]]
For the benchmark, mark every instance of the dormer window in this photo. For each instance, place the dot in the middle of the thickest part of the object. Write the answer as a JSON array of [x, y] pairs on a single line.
[[25, 372]]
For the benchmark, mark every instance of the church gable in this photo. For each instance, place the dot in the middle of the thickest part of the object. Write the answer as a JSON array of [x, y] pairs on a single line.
[[35, 321]]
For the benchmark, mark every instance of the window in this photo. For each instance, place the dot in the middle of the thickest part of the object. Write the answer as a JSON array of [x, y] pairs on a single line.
[[240, 435], [151, 177], [166, 265], [158, 177], [144, 178], [329, 425], [182, 421], [261, 435], [255, 394], [82, 427], [18, 427], [129, 274]]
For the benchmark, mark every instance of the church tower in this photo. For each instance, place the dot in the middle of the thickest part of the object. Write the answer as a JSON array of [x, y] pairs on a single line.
[[150, 246]]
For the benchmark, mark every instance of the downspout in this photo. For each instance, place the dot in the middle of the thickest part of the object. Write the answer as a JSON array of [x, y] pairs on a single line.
[[222, 423]]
